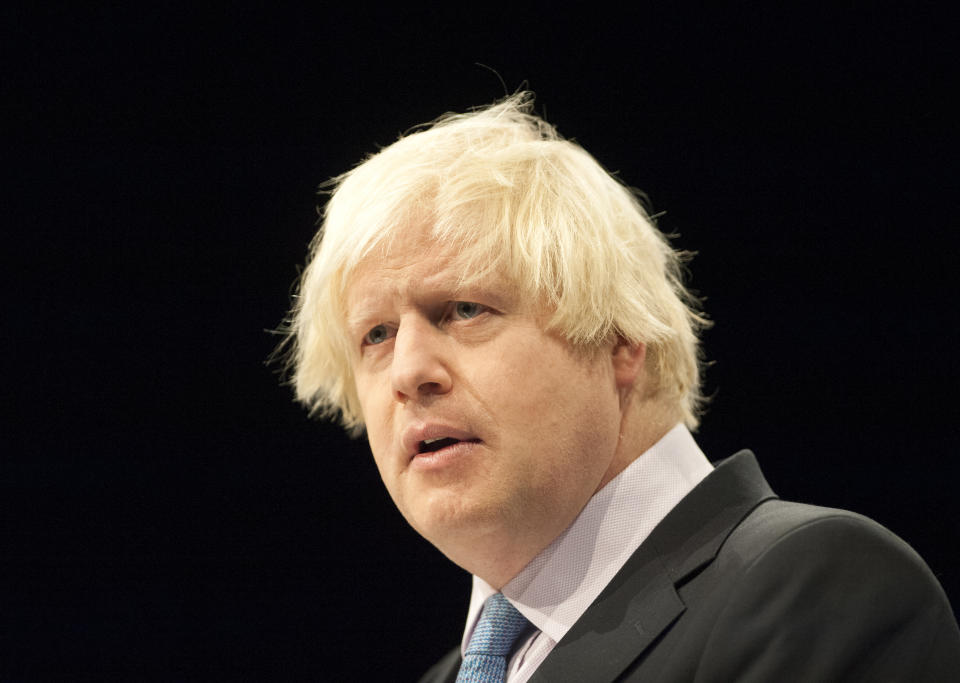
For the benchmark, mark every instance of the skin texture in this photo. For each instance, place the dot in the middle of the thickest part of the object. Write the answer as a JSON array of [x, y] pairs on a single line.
[[542, 426]]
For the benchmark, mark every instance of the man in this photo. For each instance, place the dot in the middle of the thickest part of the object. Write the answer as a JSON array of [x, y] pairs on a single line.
[[510, 328]]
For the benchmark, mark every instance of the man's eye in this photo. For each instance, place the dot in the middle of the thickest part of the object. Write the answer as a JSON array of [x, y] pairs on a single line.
[[377, 335], [467, 309]]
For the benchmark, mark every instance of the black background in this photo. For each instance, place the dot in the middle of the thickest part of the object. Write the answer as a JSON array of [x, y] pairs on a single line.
[[170, 514]]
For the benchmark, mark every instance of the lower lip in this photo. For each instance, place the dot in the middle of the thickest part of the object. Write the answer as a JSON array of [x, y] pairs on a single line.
[[445, 457]]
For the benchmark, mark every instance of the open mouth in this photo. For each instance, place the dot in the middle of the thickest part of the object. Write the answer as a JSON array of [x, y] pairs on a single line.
[[431, 445]]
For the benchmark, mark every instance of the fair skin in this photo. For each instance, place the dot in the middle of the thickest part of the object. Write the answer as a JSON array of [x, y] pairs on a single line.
[[490, 433]]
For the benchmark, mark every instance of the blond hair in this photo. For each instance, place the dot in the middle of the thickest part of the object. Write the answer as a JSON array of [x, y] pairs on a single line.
[[512, 196]]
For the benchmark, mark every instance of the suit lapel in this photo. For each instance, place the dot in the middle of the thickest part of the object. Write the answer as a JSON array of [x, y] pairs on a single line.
[[642, 601], [630, 613]]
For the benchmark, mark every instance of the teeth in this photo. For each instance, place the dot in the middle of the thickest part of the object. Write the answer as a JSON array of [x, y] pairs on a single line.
[[427, 442]]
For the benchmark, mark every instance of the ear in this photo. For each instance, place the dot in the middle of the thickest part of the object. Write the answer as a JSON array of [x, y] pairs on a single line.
[[628, 363]]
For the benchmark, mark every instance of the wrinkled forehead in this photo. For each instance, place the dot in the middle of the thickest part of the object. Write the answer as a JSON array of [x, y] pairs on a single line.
[[418, 251]]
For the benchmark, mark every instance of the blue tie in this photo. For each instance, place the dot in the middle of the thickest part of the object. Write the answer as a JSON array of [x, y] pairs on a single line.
[[486, 658]]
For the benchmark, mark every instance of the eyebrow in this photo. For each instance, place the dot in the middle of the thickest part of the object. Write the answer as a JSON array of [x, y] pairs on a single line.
[[447, 288], [358, 319]]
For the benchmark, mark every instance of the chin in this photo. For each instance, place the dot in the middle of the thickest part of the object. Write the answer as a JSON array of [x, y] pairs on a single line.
[[447, 518]]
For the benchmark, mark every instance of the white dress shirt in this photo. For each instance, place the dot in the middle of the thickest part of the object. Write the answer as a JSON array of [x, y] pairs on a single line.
[[560, 583]]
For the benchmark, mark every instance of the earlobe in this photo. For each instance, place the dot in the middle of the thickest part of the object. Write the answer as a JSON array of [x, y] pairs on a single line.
[[628, 362]]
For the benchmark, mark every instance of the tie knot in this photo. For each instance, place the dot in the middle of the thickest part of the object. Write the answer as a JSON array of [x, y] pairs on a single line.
[[498, 627]]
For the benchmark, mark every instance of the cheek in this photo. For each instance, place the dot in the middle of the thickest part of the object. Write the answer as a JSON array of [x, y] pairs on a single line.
[[376, 419], [574, 414], [372, 391], [551, 398], [379, 436]]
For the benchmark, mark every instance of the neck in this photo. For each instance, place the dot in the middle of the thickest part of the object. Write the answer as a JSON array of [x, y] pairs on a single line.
[[643, 424]]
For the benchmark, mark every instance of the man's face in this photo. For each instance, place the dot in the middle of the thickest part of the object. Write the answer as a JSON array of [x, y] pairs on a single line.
[[490, 433]]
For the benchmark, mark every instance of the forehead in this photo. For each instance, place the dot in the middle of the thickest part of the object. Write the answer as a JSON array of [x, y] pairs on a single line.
[[408, 256], [413, 264]]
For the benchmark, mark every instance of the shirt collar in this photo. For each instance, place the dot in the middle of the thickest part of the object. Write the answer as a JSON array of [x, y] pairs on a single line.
[[560, 583]]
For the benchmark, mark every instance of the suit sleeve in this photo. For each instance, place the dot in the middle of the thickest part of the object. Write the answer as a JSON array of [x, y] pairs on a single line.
[[838, 598]]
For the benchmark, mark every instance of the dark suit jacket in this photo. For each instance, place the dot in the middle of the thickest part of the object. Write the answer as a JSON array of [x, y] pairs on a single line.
[[737, 585]]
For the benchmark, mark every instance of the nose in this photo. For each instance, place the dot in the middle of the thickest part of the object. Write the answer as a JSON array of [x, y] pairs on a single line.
[[418, 370]]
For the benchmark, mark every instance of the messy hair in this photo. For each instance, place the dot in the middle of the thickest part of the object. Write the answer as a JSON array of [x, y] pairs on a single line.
[[510, 195]]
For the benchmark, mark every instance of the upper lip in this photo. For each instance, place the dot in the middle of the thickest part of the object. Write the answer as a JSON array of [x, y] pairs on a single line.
[[415, 434]]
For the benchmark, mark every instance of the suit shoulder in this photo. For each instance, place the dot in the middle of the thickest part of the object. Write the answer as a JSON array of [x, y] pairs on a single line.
[[835, 550], [777, 522], [861, 601]]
